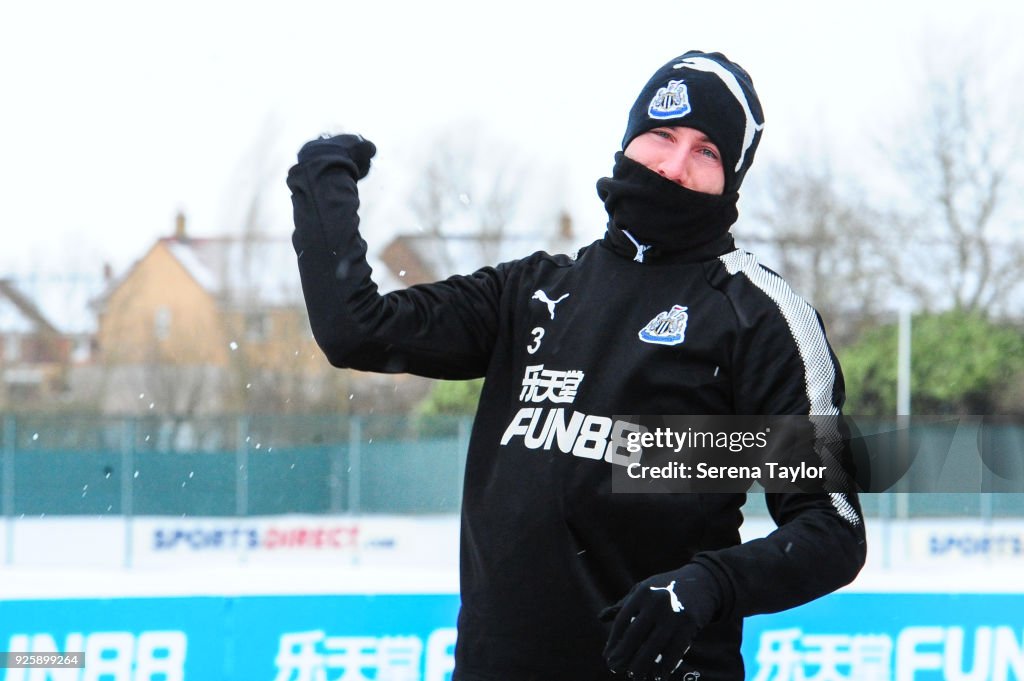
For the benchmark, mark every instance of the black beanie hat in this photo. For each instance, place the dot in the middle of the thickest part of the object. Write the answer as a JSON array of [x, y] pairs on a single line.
[[707, 92]]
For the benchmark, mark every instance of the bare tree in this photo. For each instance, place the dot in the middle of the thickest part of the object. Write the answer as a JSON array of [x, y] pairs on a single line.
[[470, 190], [960, 159], [268, 369], [183, 392], [832, 249], [274, 366]]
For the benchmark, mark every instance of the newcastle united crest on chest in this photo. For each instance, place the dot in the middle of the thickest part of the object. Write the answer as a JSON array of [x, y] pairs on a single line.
[[668, 328]]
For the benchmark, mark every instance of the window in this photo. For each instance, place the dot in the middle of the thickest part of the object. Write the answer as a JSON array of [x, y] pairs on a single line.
[[12, 348], [257, 326], [162, 323]]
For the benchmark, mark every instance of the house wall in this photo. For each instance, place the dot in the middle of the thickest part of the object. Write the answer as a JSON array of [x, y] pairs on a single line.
[[161, 315], [168, 344], [33, 368]]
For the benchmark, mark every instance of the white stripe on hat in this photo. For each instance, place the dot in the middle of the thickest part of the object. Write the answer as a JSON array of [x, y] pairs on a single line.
[[729, 79]]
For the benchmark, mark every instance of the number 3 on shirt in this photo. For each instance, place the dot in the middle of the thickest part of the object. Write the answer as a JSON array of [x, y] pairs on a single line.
[[538, 333]]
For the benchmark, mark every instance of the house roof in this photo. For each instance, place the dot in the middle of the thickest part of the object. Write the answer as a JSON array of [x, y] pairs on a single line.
[[19, 314], [424, 257], [258, 270]]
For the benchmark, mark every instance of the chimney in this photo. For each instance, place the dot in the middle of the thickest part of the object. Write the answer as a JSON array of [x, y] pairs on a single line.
[[565, 226], [108, 273], [179, 226]]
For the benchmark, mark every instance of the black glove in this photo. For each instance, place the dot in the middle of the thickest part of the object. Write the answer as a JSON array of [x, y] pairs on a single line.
[[658, 619], [355, 147]]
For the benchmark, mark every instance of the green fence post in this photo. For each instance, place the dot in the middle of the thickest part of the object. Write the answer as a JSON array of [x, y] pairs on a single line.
[[10, 444], [242, 468], [336, 462], [465, 429], [355, 436], [885, 518], [128, 486]]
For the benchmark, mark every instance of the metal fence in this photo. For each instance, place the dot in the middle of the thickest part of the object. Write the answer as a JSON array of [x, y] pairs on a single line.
[[267, 465], [230, 466]]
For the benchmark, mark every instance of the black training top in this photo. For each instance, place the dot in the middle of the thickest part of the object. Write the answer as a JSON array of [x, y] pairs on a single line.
[[565, 344]]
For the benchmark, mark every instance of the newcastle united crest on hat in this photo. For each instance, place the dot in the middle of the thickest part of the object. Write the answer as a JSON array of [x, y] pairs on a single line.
[[670, 101], [668, 328], [707, 92]]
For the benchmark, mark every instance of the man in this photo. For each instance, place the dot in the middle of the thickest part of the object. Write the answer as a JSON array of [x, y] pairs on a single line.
[[561, 578]]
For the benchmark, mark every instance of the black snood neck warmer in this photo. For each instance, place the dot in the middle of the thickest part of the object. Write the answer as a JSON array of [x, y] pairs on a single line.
[[651, 216]]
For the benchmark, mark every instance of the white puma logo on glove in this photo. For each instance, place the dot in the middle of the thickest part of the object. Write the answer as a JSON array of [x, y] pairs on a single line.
[[543, 297], [676, 605]]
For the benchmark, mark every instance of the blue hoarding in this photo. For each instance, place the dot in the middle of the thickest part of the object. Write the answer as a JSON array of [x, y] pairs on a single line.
[[862, 636]]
